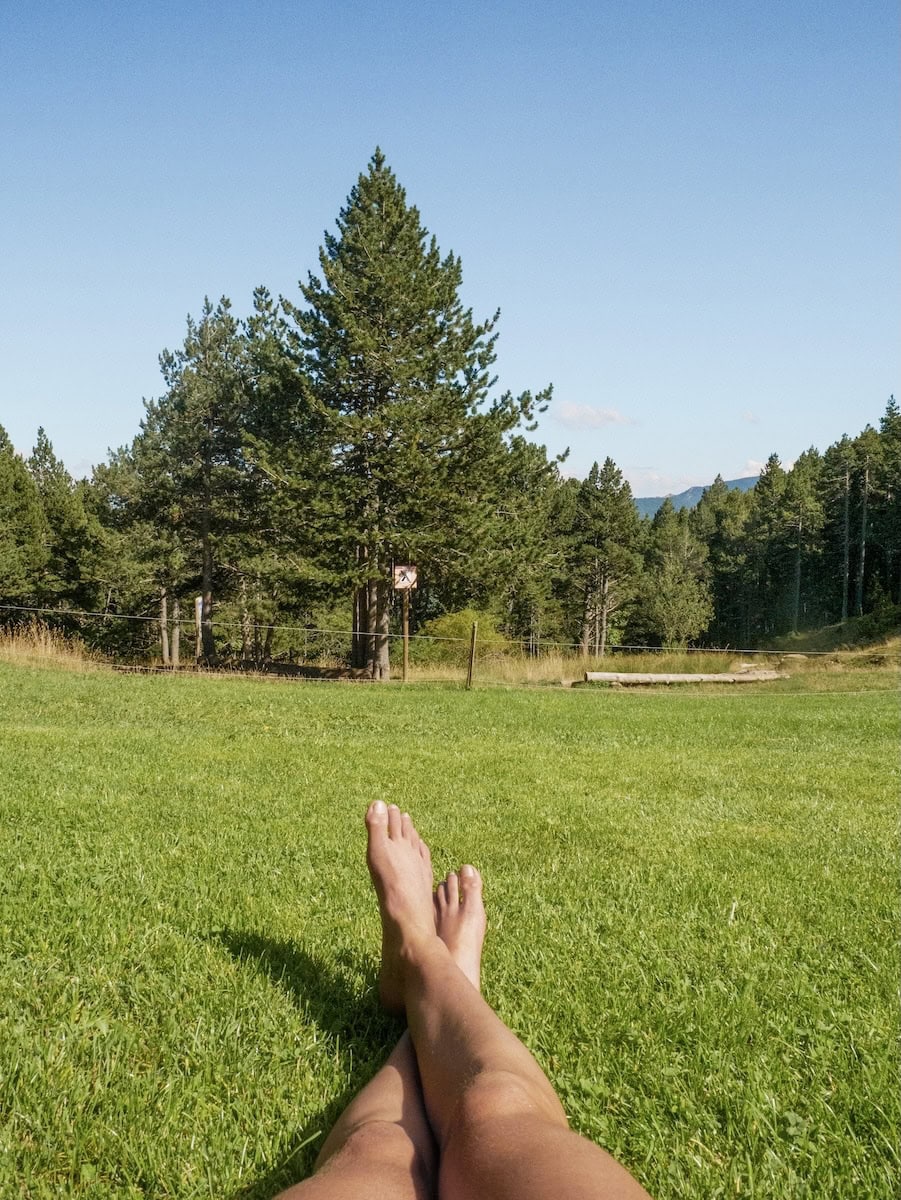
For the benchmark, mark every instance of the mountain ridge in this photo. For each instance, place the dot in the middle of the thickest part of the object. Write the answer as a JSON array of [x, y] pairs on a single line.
[[647, 505]]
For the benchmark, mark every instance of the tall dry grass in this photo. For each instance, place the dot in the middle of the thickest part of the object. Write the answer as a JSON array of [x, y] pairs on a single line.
[[37, 644], [555, 667]]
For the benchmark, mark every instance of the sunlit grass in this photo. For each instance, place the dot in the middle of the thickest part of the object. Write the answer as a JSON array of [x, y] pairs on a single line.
[[37, 643], [693, 922]]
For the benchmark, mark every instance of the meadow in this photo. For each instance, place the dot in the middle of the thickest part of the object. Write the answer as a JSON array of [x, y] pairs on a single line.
[[693, 914]]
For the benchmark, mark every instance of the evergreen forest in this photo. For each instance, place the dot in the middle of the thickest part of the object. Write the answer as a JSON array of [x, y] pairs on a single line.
[[297, 455]]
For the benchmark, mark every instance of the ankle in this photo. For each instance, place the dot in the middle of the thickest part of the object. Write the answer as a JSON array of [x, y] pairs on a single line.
[[419, 948]]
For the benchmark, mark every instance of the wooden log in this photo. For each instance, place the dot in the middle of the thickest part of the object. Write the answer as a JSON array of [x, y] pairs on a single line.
[[634, 678]]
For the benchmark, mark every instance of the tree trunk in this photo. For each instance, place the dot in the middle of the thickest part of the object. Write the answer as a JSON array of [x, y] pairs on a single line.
[[246, 625], [605, 615], [267, 644], [378, 616], [358, 643], [863, 538], [597, 608], [585, 640], [846, 565], [164, 626], [176, 633], [208, 641], [796, 606]]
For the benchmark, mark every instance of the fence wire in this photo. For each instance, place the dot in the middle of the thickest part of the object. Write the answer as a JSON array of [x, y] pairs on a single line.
[[531, 647]]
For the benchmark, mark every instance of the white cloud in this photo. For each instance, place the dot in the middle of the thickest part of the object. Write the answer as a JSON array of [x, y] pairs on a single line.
[[82, 469], [586, 416], [751, 417], [646, 482], [751, 467]]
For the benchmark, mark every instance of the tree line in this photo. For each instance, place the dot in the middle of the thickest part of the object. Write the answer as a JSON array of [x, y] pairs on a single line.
[[296, 455]]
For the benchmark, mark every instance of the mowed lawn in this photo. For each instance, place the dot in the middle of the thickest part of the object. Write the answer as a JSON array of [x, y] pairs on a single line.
[[693, 905]]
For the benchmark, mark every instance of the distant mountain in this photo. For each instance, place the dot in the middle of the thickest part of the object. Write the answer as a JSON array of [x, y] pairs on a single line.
[[648, 505]]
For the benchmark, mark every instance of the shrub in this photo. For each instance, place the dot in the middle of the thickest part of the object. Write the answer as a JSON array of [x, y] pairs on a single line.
[[452, 633]]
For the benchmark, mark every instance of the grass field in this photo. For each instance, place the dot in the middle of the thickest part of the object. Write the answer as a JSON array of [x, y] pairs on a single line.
[[693, 904]]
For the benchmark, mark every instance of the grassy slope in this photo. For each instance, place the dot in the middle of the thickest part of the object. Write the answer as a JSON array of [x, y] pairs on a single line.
[[693, 904]]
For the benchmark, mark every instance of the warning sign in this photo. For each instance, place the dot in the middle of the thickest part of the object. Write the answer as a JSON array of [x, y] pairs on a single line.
[[404, 578]]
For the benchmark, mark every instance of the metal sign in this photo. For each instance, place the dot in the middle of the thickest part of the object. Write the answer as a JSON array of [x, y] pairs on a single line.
[[404, 578]]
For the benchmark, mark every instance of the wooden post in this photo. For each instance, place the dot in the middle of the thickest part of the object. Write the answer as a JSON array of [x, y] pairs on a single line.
[[472, 654], [164, 626], [406, 620], [176, 633], [198, 627]]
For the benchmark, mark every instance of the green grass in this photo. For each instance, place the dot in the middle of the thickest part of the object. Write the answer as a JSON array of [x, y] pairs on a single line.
[[693, 904]]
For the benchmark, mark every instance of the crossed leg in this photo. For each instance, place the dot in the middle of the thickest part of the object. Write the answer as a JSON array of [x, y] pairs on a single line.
[[501, 1131], [382, 1145], [461, 1109]]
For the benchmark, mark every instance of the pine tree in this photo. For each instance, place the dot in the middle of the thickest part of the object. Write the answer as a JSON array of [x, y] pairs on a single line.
[[72, 534], [675, 603], [401, 373], [301, 546], [868, 451], [719, 521], [524, 555], [194, 438], [769, 552], [887, 517], [605, 562], [805, 519], [836, 498], [24, 533]]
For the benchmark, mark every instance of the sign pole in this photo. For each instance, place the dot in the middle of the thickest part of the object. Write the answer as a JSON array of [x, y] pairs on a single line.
[[406, 619], [472, 654], [404, 580]]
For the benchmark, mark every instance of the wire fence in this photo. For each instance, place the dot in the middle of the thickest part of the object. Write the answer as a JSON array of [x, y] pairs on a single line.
[[532, 647]]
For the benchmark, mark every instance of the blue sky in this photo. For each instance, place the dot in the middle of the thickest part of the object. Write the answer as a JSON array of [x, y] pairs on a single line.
[[686, 211]]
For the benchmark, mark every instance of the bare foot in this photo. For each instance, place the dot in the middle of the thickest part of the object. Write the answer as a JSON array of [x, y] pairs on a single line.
[[460, 920], [401, 869]]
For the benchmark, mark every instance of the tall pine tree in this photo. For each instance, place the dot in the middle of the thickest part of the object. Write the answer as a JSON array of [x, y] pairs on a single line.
[[402, 374], [605, 563], [24, 533]]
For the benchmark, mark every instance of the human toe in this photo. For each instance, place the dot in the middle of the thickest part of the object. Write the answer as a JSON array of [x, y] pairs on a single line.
[[470, 881]]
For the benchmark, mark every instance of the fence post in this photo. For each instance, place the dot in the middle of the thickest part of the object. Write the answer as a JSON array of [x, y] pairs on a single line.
[[198, 639], [472, 654]]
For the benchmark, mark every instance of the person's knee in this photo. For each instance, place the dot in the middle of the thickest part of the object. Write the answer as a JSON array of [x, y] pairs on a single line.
[[493, 1096], [379, 1141], [384, 1146]]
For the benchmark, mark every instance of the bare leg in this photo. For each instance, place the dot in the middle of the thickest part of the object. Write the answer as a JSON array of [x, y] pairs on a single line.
[[501, 1131], [382, 1147]]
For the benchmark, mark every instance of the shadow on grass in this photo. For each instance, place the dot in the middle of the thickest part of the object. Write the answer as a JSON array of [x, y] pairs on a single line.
[[362, 1033]]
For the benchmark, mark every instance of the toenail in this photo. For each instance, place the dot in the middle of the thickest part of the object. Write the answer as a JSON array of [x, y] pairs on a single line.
[[377, 808], [467, 872]]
